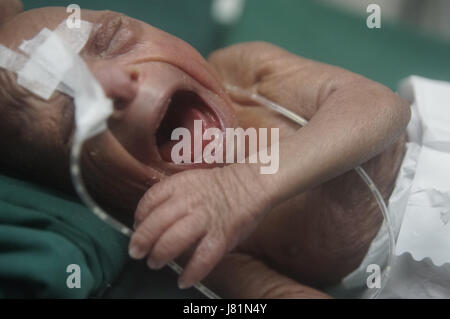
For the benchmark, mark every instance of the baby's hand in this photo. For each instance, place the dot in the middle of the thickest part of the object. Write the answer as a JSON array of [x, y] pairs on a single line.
[[209, 209]]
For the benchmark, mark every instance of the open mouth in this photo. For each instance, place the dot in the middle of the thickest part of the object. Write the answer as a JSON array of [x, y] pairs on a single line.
[[183, 110]]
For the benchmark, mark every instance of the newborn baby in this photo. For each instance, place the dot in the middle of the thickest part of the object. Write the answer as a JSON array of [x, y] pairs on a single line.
[[248, 235]]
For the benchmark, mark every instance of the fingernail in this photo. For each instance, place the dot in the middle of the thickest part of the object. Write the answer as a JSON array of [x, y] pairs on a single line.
[[183, 285], [152, 264], [135, 252]]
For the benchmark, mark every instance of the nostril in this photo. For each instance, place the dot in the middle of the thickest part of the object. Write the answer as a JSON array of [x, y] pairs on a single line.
[[129, 92], [134, 75], [120, 104], [119, 84]]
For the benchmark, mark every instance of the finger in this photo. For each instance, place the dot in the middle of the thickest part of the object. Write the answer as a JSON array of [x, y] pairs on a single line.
[[178, 238], [206, 256], [153, 198], [152, 228]]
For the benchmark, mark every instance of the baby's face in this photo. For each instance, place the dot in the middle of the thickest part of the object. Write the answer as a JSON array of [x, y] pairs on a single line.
[[157, 81]]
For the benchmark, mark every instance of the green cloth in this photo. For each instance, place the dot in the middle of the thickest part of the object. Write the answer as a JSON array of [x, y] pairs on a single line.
[[314, 30], [41, 233]]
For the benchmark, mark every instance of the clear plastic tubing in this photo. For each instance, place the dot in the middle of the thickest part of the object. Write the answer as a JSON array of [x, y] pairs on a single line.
[[82, 192], [75, 170]]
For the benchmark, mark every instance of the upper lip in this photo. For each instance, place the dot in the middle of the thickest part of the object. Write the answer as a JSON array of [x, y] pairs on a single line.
[[158, 85], [166, 100]]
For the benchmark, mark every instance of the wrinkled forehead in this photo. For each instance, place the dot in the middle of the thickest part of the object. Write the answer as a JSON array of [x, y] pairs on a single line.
[[27, 24]]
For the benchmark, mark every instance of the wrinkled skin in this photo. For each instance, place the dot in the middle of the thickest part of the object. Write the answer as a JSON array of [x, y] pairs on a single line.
[[254, 236]]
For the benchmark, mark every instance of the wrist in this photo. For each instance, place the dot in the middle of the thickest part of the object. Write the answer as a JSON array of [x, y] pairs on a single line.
[[258, 188]]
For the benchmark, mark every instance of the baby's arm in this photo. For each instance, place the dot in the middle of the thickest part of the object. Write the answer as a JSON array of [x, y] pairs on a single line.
[[351, 118], [356, 122], [213, 210]]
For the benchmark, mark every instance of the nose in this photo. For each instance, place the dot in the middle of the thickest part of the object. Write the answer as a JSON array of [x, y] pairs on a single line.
[[120, 84]]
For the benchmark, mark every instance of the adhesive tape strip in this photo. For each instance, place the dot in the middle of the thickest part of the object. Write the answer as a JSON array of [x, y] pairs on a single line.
[[53, 62], [11, 60], [49, 61], [46, 67]]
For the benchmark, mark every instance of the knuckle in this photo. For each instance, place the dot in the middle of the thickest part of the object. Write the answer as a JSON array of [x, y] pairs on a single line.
[[201, 260], [193, 204], [142, 209], [208, 251]]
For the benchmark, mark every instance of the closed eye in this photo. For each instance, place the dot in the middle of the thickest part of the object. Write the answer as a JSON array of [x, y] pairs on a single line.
[[115, 35]]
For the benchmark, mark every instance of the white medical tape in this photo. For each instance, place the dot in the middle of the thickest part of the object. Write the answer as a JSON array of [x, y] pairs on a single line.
[[92, 107], [11, 60], [63, 88], [75, 38], [48, 61], [54, 63], [29, 46], [46, 67], [14, 61]]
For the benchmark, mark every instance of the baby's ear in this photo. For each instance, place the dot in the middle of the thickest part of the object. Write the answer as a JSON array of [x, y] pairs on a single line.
[[9, 9]]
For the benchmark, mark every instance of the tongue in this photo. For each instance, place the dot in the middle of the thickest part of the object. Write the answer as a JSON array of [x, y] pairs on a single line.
[[186, 118]]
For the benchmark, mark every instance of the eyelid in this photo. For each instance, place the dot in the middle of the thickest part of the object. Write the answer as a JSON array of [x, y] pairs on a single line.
[[113, 37], [104, 33]]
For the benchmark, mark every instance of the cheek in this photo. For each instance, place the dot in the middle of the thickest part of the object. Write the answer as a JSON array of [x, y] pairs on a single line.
[[46, 125], [22, 128], [31, 146], [42, 132], [112, 176]]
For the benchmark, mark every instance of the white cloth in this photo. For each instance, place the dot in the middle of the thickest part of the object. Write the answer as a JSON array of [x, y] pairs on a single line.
[[422, 268], [419, 204]]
